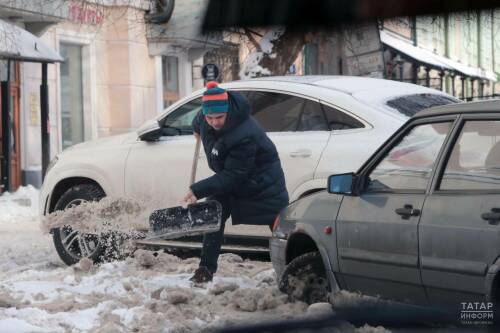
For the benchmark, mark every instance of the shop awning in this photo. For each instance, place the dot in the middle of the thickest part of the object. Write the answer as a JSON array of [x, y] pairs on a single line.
[[433, 60], [19, 44], [470, 71]]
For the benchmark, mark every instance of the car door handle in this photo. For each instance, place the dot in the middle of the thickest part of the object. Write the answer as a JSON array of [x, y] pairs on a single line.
[[301, 153], [492, 217], [407, 211]]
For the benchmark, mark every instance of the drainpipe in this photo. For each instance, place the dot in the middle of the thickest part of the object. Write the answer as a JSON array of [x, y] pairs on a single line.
[[479, 41], [44, 111], [414, 30], [446, 36], [6, 133], [493, 47]]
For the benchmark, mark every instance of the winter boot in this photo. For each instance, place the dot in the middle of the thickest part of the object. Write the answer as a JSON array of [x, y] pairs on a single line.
[[202, 275]]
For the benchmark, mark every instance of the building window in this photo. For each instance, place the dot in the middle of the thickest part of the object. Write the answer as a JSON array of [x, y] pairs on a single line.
[[71, 95], [4, 70], [170, 74]]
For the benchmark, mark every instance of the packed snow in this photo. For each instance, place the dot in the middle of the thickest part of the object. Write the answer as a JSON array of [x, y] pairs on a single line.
[[146, 292]]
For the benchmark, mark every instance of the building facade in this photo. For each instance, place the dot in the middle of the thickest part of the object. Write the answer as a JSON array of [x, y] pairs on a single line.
[[458, 53], [121, 67], [127, 61], [19, 21]]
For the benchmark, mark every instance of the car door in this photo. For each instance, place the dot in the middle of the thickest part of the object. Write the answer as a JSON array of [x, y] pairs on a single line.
[[352, 141], [298, 128], [158, 172], [459, 230], [377, 231]]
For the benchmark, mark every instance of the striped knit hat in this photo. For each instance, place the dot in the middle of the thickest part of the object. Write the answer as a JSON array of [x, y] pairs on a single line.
[[214, 99]]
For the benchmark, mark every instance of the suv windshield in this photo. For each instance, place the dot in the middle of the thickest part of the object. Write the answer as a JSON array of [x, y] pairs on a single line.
[[411, 104]]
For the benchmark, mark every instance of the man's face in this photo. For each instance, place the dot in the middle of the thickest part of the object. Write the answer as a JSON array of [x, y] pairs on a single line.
[[216, 120]]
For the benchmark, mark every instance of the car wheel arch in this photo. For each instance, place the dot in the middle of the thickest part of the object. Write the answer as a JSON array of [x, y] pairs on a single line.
[[65, 184], [300, 243], [309, 192]]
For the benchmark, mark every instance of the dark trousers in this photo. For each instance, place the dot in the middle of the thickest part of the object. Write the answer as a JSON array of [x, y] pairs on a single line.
[[212, 242]]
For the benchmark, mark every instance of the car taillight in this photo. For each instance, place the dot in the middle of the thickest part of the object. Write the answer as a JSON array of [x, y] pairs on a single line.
[[276, 223]]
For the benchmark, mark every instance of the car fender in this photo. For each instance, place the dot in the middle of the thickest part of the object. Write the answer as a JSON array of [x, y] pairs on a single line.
[[91, 172], [310, 185], [61, 173]]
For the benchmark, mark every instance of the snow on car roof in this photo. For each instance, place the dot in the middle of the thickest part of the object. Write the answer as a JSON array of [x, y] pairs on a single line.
[[346, 84]]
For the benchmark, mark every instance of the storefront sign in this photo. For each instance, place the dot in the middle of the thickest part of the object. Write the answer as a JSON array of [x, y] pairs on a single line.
[[400, 26], [34, 109], [81, 13], [371, 64]]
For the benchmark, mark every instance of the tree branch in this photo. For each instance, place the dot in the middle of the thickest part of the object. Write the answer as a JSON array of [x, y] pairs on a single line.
[[252, 39]]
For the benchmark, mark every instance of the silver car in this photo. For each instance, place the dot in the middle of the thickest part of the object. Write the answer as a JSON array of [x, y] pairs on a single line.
[[419, 222]]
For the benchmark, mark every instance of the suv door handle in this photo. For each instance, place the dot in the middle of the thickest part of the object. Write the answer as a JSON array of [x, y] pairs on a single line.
[[301, 153], [493, 217], [407, 211]]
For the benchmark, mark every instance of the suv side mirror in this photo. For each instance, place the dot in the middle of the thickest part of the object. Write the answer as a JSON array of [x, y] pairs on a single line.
[[345, 183], [151, 131]]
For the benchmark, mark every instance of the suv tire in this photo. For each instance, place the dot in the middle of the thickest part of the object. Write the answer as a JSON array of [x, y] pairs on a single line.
[[304, 279], [68, 242]]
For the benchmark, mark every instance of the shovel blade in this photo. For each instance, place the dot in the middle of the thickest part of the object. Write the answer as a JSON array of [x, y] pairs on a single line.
[[196, 219]]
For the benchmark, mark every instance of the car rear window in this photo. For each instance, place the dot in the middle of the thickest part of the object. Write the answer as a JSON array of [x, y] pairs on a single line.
[[411, 104]]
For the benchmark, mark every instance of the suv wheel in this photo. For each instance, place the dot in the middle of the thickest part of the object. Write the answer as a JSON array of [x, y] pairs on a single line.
[[305, 279], [72, 245]]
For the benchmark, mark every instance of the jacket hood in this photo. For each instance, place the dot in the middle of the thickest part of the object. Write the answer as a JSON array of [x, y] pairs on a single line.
[[239, 111]]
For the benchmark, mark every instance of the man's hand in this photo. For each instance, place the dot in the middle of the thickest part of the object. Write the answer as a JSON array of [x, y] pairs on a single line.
[[190, 198]]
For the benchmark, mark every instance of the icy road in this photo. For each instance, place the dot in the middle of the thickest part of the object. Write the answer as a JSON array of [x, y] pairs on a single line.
[[150, 292]]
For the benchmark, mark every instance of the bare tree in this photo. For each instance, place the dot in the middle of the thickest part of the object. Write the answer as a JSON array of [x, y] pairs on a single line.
[[273, 52]]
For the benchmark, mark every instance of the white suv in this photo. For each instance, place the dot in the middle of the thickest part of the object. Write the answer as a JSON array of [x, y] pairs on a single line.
[[321, 125]]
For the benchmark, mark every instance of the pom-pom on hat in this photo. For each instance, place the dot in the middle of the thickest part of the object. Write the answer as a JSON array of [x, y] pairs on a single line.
[[214, 99]]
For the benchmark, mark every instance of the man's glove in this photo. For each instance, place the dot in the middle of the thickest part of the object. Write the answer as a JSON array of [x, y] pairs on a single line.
[[190, 198]]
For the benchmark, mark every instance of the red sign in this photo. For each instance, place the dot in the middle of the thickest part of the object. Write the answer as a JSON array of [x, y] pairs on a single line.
[[82, 14]]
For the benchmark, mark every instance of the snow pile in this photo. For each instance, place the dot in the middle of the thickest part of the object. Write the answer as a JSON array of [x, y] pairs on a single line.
[[147, 295], [251, 67], [21, 204], [22, 244]]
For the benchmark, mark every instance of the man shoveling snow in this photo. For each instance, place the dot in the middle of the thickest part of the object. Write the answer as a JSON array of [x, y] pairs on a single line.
[[249, 182]]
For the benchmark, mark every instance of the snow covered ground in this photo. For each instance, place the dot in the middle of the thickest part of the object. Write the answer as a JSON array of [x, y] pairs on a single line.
[[149, 292]]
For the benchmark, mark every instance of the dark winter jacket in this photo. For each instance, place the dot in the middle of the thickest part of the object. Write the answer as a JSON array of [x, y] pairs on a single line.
[[246, 165]]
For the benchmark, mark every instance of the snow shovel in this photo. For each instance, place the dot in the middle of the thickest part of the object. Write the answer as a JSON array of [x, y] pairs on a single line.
[[196, 219]]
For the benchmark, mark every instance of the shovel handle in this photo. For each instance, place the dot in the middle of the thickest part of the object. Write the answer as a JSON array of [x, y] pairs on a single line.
[[195, 160]]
